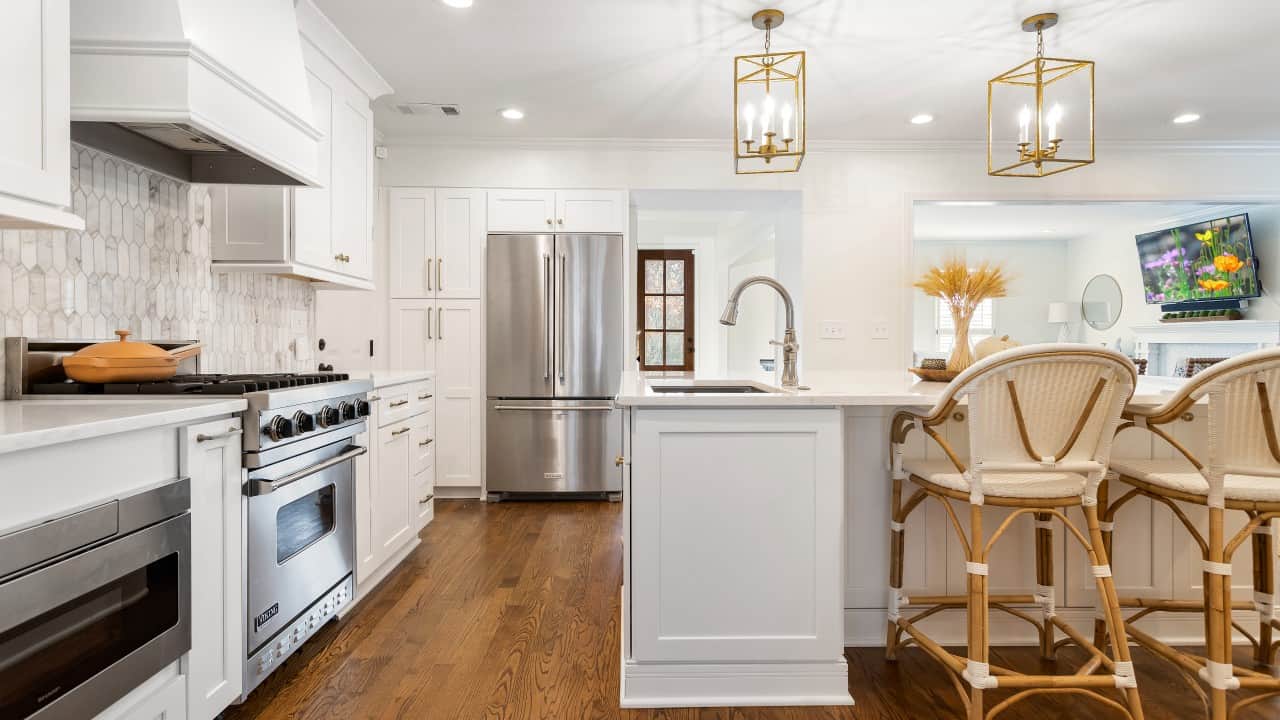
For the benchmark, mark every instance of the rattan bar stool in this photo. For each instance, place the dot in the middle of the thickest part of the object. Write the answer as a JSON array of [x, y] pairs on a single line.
[[1023, 404], [1241, 473]]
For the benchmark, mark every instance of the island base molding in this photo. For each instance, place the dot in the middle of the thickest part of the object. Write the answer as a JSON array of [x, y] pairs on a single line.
[[866, 627], [660, 685]]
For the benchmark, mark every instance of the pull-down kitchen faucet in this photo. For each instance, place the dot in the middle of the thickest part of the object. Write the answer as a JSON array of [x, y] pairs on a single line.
[[790, 348]]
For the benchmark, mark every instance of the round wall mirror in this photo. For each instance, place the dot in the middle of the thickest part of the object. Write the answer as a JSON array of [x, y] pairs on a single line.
[[1101, 302]]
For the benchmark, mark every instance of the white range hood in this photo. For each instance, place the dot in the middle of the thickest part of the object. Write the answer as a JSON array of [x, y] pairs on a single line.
[[209, 91]]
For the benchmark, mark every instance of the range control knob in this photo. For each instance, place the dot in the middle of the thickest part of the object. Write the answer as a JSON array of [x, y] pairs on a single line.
[[362, 408], [303, 422], [279, 428], [328, 416], [347, 411]]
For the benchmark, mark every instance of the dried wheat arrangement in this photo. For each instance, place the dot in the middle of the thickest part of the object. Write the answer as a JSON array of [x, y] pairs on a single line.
[[963, 288]]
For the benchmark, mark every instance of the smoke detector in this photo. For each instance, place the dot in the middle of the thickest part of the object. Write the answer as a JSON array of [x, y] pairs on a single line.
[[427, 108]]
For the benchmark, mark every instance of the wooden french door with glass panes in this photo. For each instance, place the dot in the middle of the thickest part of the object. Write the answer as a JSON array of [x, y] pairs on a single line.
[[664, 307]]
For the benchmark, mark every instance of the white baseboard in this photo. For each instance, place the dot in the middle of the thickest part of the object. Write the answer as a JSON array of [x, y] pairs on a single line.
[[867, 627], [363, 589], [459, 492], [657, 685]]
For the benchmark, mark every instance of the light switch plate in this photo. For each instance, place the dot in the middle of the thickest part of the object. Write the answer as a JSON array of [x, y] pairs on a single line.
[[880, 330], [833, 331]]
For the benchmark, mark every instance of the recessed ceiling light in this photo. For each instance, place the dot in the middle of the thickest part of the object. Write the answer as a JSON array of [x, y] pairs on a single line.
[[457, 3], [921, 119], [1046, 230], [512, 113], [1185, 118]]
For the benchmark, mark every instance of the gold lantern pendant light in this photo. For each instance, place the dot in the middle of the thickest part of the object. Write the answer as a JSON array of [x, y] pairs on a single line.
[[768, 100], [1040, 149]]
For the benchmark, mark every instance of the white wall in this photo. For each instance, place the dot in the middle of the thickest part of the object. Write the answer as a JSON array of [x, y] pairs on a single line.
[[1036, 279], [855, 223], [1113, 251]]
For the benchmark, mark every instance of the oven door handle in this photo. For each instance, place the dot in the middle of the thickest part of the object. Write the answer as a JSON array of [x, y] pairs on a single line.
[[266, 487]]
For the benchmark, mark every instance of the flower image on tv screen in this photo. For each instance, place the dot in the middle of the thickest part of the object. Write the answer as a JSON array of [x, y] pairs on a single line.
[[1210, 260]]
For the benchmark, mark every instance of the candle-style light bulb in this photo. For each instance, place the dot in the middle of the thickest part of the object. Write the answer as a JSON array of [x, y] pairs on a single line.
[[749, 115], [786, 121], [1055, 117], [1024, 124], [766, 118]]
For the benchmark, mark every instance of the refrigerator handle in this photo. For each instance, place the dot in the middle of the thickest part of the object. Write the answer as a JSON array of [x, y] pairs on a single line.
[[546, 318], [560, 287]]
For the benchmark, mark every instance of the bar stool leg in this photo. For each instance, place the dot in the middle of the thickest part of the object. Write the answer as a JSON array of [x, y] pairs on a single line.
[[1044, 582], [1113, 618], [1218, 618], [1106, 526], [979, 650], [1264, 583], [897, 543]]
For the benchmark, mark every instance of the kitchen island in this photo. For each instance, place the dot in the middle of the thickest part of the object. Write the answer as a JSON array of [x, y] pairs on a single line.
[[756, 536]]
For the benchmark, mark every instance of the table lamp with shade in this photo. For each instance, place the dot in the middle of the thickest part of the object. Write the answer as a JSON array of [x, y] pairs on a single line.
[[1063, 314]]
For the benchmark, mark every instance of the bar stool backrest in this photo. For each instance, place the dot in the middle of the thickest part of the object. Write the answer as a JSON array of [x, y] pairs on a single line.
[[1045, 408]]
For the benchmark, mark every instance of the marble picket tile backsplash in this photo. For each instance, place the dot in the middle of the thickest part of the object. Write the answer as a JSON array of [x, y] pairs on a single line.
[[143, 264]]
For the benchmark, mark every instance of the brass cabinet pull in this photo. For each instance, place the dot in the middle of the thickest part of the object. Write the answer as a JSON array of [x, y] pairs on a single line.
[[439, 276], [560, 221], [425, 500], [342, 258], [439, 323], [1187, 417], [398, 403], [428, 273], [401, 431], [424, 443], [374, 398], [425, 397], [548, 222], [619, 461], [429, 324], [218, 436]]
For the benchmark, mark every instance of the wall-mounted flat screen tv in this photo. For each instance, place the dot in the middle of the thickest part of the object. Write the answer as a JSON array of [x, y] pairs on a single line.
[[1199, 263]]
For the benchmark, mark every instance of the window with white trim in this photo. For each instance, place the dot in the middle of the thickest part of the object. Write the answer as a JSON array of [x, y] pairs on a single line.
[[981, 327]]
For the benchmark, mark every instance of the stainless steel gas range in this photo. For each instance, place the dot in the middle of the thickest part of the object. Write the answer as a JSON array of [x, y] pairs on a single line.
[[298, 496]]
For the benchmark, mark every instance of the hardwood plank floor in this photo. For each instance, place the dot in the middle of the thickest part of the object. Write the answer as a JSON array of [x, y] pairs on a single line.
[[511, 611]]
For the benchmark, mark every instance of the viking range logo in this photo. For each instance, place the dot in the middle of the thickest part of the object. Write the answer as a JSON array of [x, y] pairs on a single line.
[[265, 615]]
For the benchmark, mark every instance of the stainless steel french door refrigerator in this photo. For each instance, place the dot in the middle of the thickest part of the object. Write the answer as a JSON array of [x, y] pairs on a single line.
[[554, 314]]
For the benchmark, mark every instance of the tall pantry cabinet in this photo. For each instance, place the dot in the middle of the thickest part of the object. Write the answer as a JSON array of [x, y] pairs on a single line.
[[435, 284]]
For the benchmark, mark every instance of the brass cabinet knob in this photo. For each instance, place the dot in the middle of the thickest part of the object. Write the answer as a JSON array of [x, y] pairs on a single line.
[[619, 461], [560, 221], [548, 222]]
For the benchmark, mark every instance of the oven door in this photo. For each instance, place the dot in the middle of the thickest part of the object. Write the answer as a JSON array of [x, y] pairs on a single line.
[[300, 536], [79, 633]]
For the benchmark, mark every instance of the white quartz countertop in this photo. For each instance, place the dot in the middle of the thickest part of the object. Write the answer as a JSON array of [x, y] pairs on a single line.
[[825, 389], [386, 378], [27, 424]]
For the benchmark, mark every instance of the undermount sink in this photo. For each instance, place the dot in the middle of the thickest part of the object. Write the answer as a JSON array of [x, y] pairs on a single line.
[[708, 389]]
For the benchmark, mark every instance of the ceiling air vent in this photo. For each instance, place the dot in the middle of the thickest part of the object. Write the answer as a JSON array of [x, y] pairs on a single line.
[[425, 108]]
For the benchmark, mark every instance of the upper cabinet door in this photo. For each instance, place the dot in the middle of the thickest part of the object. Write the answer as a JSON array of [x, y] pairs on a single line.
[[522, 210], [313, 207], [411, 218], [591, 211], [352, 178], [413, 334], [460, 231], [35, 124]]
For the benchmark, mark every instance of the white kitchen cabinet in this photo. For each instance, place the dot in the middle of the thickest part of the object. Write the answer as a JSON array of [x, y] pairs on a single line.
[[460, 396], [394, 479], [161, 697], [324, 233], [445, 336], [521, 211], [391, 518], [35, 125], [577, 211], [437, 242], [210, 456]]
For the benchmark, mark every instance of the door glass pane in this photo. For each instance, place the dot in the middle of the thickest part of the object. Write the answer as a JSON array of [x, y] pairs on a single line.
[[653, 348], [304, 521], [675, 348], [675, 276], [675, 312], [653, 313], [653, 276], [49, 655]]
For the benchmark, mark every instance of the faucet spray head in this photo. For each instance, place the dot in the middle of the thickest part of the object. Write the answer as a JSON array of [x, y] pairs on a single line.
[[730, 314]]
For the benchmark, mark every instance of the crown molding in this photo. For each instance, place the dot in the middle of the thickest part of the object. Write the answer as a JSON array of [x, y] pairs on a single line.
[[1208, 147]]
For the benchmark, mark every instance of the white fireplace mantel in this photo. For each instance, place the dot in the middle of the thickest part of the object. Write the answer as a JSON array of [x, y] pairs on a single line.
[[1234, 332]]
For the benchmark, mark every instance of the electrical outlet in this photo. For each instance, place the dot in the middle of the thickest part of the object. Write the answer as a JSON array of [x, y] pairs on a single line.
[[833, 331], [880, 330]]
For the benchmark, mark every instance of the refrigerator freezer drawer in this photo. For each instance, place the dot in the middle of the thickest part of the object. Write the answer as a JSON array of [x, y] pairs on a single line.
[[544, 446]]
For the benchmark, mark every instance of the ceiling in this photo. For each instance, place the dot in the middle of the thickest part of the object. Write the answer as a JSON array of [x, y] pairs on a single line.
[[662, 69], [942, 222]]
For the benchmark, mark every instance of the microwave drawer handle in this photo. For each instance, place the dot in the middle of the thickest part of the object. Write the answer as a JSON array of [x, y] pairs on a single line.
[[266, 487]]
